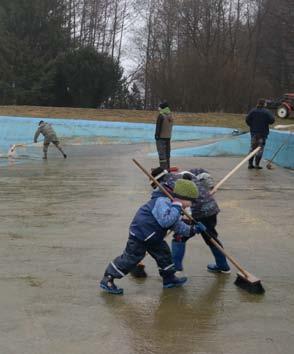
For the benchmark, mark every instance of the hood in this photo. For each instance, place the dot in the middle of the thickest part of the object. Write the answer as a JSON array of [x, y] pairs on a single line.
[[157, 193], [165, 111]]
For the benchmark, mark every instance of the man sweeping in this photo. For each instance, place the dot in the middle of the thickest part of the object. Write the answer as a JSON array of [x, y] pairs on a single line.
[[49, 137], [147, 232]]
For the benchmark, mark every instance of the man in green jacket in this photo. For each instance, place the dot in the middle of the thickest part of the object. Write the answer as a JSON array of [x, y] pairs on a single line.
[[163, 133], [49, 137]]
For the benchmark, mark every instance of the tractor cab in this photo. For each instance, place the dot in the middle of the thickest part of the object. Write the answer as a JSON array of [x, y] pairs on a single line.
[[283, 106]]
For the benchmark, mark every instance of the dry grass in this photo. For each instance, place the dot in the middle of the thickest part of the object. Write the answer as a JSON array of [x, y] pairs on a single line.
[[202, 119]]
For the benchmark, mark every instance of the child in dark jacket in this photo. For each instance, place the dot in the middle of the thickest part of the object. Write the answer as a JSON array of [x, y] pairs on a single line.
[[147, 232], [204, 209]]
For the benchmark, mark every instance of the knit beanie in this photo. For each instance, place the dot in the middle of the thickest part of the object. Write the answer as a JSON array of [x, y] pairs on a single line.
[[206, 179], [163, 105], [185, 189]]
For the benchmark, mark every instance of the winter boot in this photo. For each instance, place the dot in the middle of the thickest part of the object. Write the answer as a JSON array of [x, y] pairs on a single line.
[[173, 281], [61, 150], [139, 271], [221, 264], [178, 252], [214, 268], [250, 163], [257, 162], [107, 284]]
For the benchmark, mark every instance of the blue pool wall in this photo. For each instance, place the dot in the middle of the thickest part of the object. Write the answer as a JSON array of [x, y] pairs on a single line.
[[21, 130], [239, 146]]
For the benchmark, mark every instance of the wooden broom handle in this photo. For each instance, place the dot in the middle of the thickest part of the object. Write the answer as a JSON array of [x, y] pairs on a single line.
[[230, 258], [248, 157]]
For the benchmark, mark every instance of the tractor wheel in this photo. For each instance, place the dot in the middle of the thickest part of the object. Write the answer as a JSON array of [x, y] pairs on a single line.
[[282, 112]]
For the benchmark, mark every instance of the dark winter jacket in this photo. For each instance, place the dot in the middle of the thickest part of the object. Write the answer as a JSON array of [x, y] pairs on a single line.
[[204, 205], [259, 120], [156, 217], [164, 124]]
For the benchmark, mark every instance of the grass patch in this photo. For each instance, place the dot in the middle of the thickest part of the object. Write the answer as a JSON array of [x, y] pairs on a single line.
[[213, 119]]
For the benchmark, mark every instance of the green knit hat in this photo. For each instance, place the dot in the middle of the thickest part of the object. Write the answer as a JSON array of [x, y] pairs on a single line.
[[185, 189]]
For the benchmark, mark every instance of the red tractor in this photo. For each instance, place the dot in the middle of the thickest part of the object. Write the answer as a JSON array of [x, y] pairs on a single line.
[[283, 106]]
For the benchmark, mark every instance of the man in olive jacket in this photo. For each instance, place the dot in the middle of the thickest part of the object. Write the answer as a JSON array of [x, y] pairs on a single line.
[[49, 137], [163, 133]]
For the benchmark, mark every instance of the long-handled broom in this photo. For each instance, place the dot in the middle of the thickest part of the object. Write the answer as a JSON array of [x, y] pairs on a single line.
[[245, 280], [286, 142], [223, 180]]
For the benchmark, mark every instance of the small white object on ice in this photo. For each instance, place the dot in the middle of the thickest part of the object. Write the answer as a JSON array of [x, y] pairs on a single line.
[[11, 151]]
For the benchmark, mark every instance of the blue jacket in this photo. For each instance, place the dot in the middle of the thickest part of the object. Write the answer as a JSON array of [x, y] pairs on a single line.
[[259, 120], [156, 217]]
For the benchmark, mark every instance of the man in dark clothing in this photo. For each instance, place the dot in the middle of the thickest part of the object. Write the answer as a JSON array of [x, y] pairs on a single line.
[[163, 133], [259, 120], [49, 137]]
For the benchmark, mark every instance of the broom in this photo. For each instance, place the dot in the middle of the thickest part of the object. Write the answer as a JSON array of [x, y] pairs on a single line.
[[286, 142], [245, 280], [248, 157]]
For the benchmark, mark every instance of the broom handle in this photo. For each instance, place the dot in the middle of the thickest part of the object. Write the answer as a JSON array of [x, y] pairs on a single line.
[[280, 147], [248, 157], [230, 258], [276, 153]]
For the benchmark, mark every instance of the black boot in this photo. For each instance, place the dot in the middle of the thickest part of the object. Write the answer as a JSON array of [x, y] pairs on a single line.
[[173, 281], [257, 162], [107, 284], [250, 163], [139, 271]]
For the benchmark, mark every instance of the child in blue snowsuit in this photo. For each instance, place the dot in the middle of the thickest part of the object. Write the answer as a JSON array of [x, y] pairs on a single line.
[[147, 232]]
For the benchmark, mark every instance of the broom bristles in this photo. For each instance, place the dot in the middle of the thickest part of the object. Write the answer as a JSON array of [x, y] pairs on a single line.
[[253, 287], [269, 166]]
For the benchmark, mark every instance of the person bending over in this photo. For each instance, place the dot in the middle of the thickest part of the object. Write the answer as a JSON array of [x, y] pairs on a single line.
[[49, 137], [147, 232]]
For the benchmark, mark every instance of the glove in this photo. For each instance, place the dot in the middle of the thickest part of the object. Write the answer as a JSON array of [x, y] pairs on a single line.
[[198, 228]]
